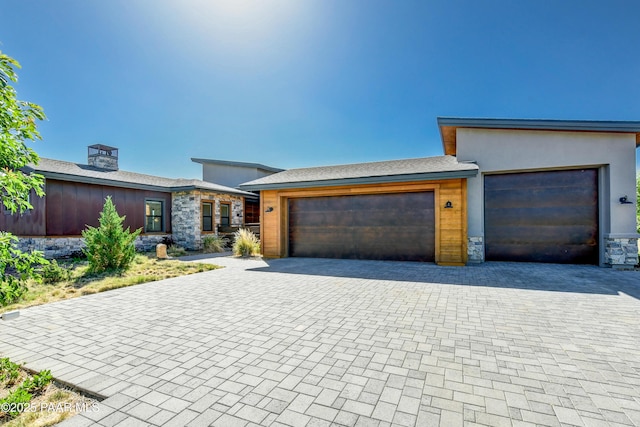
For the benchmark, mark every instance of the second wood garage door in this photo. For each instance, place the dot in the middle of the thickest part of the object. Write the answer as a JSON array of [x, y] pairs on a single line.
[[399, 226], [542, 216]]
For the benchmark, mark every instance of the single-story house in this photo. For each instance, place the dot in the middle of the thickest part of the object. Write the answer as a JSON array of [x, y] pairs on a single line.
[[506, 190], [184, 209], [232, 174]]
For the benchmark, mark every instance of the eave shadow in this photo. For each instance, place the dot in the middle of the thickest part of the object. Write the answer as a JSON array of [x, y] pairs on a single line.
[[533, 276]]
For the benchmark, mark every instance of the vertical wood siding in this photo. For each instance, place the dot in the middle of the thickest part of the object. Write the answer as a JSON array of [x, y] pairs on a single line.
[[450, 223]]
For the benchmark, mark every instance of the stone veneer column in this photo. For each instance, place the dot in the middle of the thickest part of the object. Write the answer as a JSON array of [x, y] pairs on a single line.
[[475, 249], [185, 219], [621, 252], [237, 210]]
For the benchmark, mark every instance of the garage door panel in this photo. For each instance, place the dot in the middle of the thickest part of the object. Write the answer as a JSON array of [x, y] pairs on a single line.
[[566, 216], [542, 179], [382, 226], [549, 216], [562, 254], [555, 197], [550, 234], [329, 219]]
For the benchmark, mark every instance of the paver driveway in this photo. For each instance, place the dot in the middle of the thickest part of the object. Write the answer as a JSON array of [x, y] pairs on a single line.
[[304, 342]]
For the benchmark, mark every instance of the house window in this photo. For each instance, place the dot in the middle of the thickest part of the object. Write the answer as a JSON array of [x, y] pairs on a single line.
[[225, 214], [154, 210], [207, 216]]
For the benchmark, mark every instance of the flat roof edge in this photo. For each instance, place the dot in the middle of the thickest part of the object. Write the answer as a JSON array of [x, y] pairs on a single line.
[[430, 176], [542, 124], [233, 163]]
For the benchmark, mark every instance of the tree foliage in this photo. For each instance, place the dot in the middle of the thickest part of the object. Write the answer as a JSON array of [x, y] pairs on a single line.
[[16, 267], [17, 126], [109, 246]]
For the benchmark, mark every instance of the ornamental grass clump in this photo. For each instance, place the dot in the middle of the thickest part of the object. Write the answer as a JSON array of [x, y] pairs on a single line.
[[213, 244], [245, 243], [109, 246]]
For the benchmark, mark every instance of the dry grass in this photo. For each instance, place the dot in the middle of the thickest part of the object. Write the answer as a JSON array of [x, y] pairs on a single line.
[[144, 269]]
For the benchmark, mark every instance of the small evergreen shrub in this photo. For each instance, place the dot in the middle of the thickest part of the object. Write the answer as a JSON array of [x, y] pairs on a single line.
[[213, 244], [109, 246], [245, 243], [52, 273]]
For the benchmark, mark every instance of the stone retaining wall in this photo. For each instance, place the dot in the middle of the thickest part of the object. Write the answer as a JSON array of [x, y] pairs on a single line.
[[60, 247]]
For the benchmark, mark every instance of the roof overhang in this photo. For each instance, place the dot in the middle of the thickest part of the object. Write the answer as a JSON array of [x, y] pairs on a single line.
[[449, 125], [101, 181], [135, 186], [364, 180]]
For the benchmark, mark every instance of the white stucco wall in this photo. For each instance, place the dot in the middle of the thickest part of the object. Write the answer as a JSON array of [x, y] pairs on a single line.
[[520, 150]]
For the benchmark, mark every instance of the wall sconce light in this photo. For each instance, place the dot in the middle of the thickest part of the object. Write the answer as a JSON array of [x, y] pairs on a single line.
[[624, 200], [269, 209], [448, 205]]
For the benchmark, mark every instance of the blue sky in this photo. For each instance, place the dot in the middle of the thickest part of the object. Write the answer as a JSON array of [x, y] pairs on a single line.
[[295, 83]]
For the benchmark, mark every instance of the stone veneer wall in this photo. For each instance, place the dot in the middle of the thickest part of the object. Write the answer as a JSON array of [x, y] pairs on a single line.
[[475, 249], [186, 215], [60, 247], [621, 252], [103, 161]]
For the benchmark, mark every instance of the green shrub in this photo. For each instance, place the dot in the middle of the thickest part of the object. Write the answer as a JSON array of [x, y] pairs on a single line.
[[110, 246], [213, 244], [9, 371], [37, 383], [20, 398], [52, 273], [245, 243], [16, 267]]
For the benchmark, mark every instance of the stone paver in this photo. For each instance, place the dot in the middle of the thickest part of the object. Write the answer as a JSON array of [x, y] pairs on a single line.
[[303, 342]]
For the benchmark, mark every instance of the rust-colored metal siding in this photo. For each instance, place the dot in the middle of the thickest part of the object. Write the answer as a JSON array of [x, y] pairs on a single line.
[[251, 211], [72, 206], [398, 226], [549, 216], [30, 223]]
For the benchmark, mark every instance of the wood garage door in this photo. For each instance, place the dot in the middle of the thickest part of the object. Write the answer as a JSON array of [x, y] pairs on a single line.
[[399, 226], [542, 216]]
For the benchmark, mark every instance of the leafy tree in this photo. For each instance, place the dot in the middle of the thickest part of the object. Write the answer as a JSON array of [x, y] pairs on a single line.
[[16, 268], [17, 126], [109, 246]]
